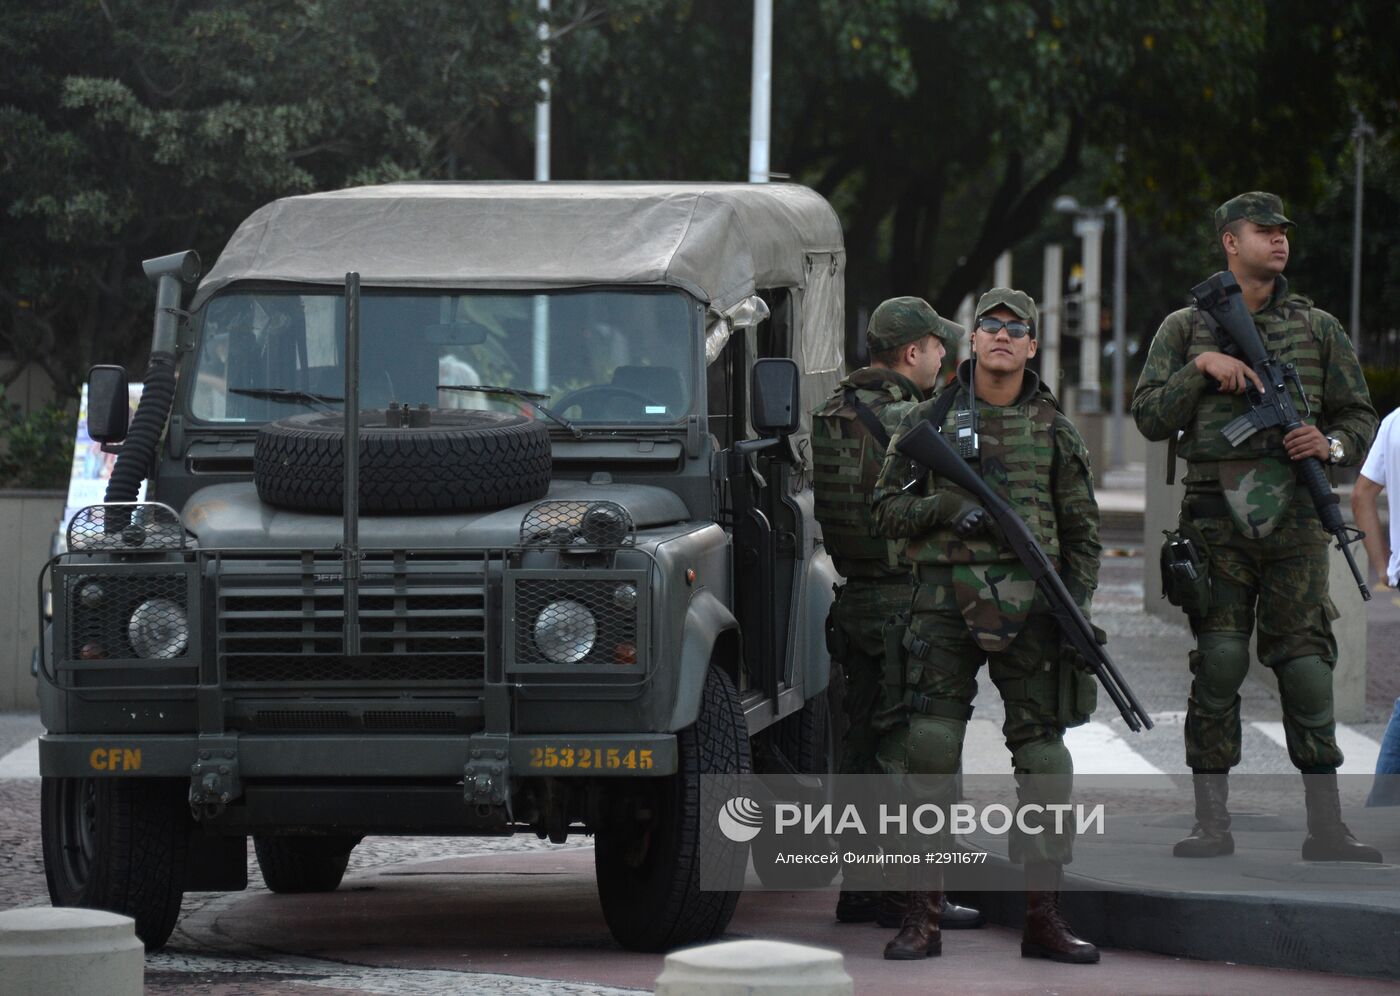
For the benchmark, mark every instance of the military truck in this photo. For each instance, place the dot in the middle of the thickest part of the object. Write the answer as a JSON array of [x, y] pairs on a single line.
[[471, 508]]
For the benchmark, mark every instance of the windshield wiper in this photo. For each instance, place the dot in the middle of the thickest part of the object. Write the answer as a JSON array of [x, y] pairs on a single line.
[[532, 398], [287, 394]]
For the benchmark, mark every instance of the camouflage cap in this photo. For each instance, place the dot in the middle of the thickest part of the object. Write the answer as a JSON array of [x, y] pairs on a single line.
[[1256, 206], [1019, 303], [902, 320]]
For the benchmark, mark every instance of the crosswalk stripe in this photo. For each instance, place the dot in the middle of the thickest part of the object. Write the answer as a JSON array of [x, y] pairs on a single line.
[[22, 762], [1098, 749], [1360, 751], [984, 749]]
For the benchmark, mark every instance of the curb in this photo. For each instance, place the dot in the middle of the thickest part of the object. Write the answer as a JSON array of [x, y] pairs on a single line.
[[1282, 931]]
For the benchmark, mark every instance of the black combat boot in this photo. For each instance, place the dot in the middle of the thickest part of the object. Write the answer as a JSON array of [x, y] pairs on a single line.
[[1328, 837], [918, 935], [1210, 837], [853, 906], [951, 916], [892, 908], [1046, 934]]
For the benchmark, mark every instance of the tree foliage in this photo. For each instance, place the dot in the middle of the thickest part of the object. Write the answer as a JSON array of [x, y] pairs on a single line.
[[136, 129], [942, 130]]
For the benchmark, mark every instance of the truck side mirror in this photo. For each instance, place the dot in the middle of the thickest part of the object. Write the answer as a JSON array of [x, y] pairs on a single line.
[[107, 408], [776, 397]]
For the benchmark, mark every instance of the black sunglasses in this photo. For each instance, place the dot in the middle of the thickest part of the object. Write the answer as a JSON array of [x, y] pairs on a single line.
[[1015, 329]]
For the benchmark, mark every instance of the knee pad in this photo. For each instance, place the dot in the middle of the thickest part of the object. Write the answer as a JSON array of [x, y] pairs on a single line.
[[1220, 663], [934, 744], [1305, 685], [1047, 756]]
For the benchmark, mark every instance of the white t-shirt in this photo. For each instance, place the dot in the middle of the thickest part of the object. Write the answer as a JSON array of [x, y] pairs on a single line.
[[1383, 466]]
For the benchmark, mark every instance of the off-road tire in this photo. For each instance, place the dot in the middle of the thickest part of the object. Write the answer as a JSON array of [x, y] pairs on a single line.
[[118, 844], [464, 460], [649, 879], [806, 739], [303, 864]]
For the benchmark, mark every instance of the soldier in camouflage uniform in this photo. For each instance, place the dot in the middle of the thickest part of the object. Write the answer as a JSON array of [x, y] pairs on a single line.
[[907, 340], [1266, 550], [974, 602]]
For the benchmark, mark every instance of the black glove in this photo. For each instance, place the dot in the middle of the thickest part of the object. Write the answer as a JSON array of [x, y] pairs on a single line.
[[1070, 656], [970, 521]]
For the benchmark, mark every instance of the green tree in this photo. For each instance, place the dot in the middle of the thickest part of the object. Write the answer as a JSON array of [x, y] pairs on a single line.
[[136, 129]]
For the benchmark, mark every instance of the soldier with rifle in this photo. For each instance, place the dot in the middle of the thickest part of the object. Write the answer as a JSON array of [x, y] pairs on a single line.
[[977, 599], [907, 340], [1264, 390]]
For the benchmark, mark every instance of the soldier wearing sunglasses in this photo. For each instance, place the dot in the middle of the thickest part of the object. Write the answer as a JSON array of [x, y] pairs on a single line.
[[975, 603]]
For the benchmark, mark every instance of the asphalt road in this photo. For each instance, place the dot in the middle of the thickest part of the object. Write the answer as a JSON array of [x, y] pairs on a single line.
[[515, 915]]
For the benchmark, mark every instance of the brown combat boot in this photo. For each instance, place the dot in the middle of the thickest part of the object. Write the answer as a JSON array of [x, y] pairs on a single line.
[[1047, 935], [1210, 837], [918, 935], [1328, 837]]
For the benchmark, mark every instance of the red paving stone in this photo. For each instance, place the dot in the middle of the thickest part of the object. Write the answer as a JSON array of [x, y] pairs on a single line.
[[536, 915]]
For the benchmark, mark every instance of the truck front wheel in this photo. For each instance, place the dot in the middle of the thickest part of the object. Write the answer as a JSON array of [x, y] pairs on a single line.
[[648, 866], [303, 864], [117, 844]]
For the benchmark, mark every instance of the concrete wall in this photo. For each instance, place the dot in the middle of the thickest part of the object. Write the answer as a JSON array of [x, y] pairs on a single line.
[[27, 522], [1163, 503], [30, 388]]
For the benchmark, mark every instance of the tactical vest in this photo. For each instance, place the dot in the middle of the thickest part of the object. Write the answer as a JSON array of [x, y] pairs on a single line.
[[846, 463], [1017, 459], [1257, 479], [1286, 329]]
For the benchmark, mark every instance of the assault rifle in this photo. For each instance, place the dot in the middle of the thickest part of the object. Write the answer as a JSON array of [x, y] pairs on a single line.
[[927, 447], [1220, 301]]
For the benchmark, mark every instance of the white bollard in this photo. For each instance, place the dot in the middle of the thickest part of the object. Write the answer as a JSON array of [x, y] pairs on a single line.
[[754, 968], [74, 952]]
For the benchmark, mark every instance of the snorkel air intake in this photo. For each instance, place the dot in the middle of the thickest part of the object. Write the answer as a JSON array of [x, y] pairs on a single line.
[[136, 459]]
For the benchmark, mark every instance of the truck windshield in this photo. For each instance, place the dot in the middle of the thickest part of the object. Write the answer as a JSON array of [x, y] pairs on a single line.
[[614, 356]]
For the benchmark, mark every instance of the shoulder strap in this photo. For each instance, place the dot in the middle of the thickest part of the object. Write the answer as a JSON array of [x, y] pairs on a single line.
[[1223, 341], [868, 418], [938, 414]]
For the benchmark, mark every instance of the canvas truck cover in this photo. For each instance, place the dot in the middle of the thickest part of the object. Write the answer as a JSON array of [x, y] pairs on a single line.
[[720, 241]]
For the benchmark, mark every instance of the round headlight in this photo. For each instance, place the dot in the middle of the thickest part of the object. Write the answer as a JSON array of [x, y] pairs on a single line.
[[565, 631], [158, 628], [625, 596], [90, 595]]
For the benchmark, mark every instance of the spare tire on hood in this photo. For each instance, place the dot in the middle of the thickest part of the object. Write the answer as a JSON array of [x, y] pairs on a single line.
[[462, 460]]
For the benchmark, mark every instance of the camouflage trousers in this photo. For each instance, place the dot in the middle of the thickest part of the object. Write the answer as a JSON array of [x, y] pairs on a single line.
[[940, 689], [860, 615], [1275, 587]]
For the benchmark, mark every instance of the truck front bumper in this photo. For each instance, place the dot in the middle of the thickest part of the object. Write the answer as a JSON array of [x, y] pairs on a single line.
[[338, 756]]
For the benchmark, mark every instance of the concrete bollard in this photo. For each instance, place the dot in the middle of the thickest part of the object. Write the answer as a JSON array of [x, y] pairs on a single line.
[[75, 952], [754, 968]]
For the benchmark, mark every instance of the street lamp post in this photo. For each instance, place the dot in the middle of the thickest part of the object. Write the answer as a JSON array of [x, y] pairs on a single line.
[[1089, 225], [1359, 134]]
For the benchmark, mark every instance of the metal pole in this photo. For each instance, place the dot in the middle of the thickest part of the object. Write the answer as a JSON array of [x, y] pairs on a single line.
[[542, 105], [350, 545], [965, 316], [1001, 270], [540, 324], [1089, 228], [1358, 134], [762, 86], [1120, 336], [1051, 309]]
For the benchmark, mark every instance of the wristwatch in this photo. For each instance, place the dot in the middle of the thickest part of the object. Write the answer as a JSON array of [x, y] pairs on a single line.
[[1335, 452]]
